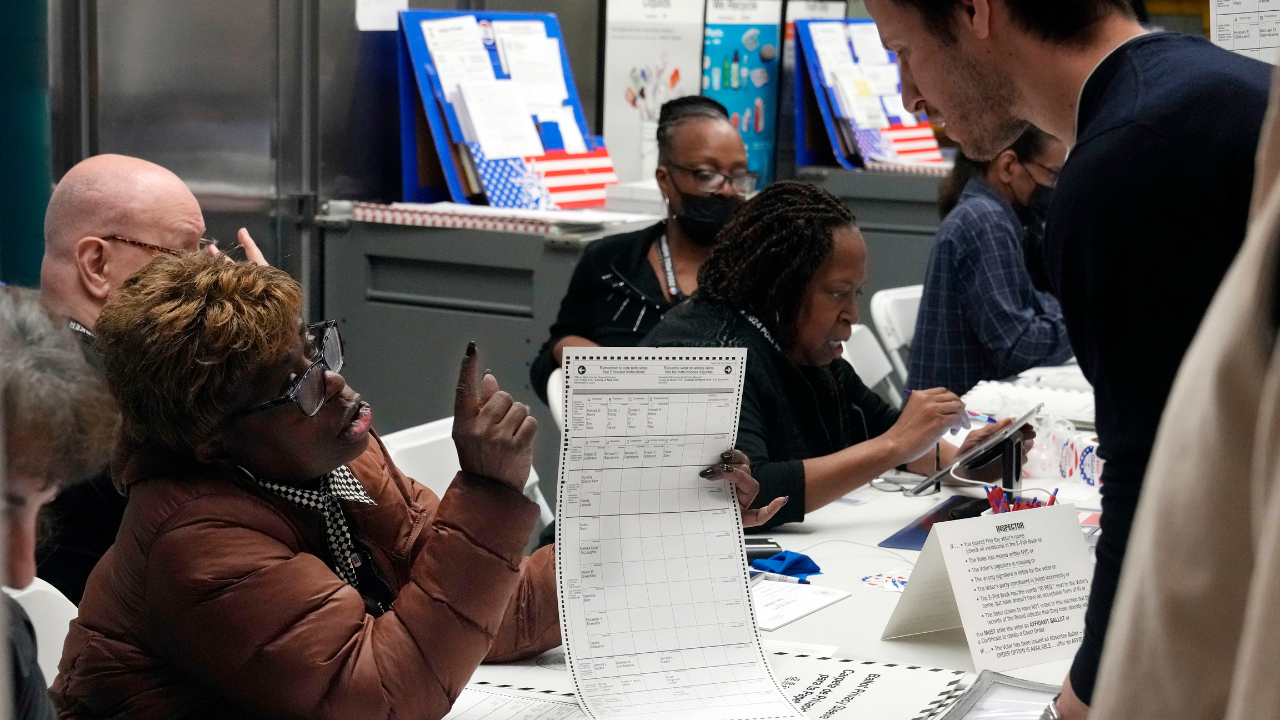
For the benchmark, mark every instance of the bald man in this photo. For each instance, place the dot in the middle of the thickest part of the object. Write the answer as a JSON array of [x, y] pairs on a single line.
[[108, 216]]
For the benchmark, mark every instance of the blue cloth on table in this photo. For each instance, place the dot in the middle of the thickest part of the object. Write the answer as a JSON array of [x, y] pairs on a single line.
[[789, 563]]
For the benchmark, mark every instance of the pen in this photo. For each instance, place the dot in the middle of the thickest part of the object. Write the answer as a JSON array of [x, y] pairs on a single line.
[[976, 416], [757, 575]]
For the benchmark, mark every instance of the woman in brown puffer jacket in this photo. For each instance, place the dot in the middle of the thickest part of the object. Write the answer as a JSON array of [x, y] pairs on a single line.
[[272, 560]]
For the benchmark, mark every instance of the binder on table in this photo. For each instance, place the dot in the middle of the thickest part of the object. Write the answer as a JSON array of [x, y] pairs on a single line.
[[848, 103], [550, 163]]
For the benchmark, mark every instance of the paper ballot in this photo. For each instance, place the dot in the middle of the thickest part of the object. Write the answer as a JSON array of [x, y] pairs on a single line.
[[476, 704], [457, 51], [652, 576], [1018, 583]]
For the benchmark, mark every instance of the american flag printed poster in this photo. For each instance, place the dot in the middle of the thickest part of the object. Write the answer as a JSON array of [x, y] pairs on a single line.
[[900, 144], [556, 180]]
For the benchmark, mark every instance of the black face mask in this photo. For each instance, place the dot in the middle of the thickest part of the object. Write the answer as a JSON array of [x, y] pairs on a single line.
[[1033, 216], [702, 216]]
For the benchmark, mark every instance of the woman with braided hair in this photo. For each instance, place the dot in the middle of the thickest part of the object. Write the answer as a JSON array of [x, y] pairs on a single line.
[[784, 283]]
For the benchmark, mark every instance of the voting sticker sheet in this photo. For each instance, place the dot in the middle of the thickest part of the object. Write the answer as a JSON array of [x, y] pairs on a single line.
[[652, 575]]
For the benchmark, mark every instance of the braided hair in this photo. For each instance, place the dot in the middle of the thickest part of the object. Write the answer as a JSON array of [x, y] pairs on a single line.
[[769, 251], [677, 112]]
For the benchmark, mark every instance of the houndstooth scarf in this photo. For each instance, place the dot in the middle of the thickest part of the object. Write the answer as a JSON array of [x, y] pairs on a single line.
[[339, 484]]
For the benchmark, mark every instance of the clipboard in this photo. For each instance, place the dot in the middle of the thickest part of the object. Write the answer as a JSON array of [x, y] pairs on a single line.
[[975, 452]]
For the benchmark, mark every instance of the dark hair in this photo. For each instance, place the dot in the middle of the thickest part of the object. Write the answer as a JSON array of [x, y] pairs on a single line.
[[769, 251], [675, 113], [1028, 146], [1069, 22], [59, 416]]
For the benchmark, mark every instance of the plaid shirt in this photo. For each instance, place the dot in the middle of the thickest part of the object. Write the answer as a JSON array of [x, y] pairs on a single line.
[[980, 317]]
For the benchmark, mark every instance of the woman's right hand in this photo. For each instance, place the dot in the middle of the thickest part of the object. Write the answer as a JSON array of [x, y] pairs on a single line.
[[493, 433], [928, 414]]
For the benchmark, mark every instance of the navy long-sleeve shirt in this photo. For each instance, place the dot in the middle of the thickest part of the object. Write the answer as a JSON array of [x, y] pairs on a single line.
[[981, 317], [1148, 213]]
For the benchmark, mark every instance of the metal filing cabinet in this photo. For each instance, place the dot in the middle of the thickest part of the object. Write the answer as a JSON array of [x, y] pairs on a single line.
[[408, 299]]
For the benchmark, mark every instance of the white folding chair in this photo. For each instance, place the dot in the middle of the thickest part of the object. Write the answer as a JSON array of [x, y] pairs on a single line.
[[555, 396], [426, 453], [864, 353], [51, 614], [894, 313]]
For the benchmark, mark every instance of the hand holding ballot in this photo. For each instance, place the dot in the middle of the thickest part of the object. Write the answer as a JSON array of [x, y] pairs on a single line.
[[736, 468]]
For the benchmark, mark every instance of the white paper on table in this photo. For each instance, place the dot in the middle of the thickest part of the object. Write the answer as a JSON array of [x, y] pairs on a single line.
[[379, 14], [781, 603], [477, 704], [836, 688], [655, 608], [866, 44], [457, 51], [883, 79], [1018, 583], [893, 105], [496, 117], [535, 64]]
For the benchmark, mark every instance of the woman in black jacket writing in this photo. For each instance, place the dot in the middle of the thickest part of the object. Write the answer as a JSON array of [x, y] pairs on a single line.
[[784, 284]]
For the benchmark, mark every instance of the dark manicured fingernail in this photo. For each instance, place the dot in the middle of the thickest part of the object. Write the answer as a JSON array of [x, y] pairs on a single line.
[[727, 468], [785, 498], [727, 455], [471, 348], [708, 472], [487, 371]]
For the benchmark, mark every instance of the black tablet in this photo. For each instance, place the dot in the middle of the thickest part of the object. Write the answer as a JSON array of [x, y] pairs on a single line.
[[975, 453]]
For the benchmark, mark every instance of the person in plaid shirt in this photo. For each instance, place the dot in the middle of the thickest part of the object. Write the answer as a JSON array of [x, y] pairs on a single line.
[[986, 313]]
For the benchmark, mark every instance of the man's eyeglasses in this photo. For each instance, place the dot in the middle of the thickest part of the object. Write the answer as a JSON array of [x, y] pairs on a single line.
[[205, 242], [307, 392], [710, 181]]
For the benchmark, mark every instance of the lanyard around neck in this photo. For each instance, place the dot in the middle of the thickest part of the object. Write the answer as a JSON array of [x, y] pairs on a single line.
[[755, 321], [669, 268]]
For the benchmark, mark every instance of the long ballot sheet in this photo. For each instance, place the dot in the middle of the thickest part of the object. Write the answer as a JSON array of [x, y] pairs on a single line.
[[652, 576]]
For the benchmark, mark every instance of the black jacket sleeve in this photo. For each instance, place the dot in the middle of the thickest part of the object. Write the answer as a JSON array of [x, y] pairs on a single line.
[[577, 312], [776, 478]]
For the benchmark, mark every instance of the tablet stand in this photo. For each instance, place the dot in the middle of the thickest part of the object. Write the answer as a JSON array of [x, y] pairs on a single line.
[[1011, 463]]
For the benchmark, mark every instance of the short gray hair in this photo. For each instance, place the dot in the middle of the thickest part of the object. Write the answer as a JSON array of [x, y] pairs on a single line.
[[58, 414]]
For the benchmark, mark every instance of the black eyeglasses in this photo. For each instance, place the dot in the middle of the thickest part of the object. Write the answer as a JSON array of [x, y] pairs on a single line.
[[710, 181], [307, 392]]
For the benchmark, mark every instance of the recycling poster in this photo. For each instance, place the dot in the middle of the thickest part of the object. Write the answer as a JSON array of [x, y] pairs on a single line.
[[740, 62]]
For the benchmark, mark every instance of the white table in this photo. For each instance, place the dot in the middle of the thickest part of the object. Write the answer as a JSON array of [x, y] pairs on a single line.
[[868, 516]]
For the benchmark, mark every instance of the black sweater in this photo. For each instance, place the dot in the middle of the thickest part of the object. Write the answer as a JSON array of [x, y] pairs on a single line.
[[790, 412], [1148, 213], [614, 299]]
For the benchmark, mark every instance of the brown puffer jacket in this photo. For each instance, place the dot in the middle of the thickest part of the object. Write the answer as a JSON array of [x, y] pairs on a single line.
[[210, 605]]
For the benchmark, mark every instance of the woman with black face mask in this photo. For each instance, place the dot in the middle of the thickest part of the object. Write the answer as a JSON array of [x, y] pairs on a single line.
[[624, 284], [986, 312]]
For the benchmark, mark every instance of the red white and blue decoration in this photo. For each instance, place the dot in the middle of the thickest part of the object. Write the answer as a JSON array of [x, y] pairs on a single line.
[[556, 180]]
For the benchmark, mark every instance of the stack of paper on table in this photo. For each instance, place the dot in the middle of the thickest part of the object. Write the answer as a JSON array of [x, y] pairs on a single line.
[[781, 603]]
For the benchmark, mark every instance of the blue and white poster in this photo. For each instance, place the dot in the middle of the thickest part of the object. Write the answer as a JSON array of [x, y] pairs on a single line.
[[740, 69]]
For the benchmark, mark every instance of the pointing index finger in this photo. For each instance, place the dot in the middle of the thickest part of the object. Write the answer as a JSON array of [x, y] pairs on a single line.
[[466, 403]]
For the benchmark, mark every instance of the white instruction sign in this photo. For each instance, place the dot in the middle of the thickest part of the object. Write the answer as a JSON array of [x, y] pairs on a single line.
[[1018, 583]]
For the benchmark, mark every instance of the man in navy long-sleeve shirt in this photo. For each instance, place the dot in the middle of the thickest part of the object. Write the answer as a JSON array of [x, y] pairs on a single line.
[[1149, 210]]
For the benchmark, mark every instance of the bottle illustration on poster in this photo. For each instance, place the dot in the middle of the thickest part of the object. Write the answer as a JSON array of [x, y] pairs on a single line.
[[740, 70]]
